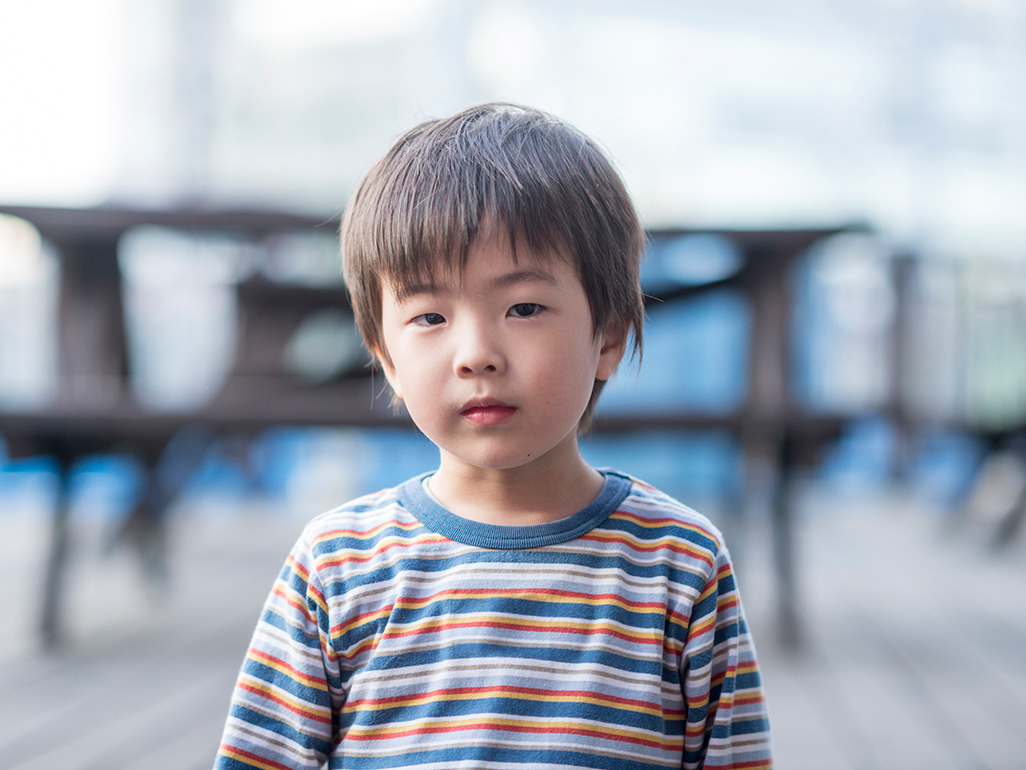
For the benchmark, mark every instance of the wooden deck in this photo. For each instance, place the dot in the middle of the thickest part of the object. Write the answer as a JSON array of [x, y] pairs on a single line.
[[914, 651]]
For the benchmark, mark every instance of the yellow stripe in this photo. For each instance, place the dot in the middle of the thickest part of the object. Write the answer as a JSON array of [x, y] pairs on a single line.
[[251, 761], [320, 603], [420, 700], [706, 624], [746, 667], [277, 694], [710, 587], [546, 725], [374, 532], [382, 613], [650, 524], [299, 569], [703, 554], [542, 625], [296, 676], [366, 556]]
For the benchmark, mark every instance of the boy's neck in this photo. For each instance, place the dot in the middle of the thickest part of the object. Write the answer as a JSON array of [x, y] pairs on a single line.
[[551, 488]]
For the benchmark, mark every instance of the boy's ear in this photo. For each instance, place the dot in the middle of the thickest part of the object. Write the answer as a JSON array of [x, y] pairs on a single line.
[[389, 372], [614, 344]]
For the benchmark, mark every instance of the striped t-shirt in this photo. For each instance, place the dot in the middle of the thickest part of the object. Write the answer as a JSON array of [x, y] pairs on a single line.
[[401, 635]]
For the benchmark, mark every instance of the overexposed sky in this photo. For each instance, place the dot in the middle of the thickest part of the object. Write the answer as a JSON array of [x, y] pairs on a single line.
[[60, 100], [910, 115]]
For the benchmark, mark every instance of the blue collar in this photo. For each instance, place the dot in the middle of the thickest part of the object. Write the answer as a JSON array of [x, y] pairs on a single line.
[[498, 536]]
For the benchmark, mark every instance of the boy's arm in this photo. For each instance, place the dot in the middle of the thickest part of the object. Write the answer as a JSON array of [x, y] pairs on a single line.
[[285, 707], [727, 725]]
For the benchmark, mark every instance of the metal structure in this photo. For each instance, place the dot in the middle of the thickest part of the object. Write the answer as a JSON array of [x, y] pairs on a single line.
[[95, 411]]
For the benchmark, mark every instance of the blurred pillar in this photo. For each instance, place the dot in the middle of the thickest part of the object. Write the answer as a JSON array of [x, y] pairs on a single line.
[[766, 434], [93, 365]]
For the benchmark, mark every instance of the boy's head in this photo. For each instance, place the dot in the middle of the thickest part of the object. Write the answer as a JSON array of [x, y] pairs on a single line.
[[449, 183]]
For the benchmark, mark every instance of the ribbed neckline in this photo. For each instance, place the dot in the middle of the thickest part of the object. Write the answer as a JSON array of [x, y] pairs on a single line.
[[496, 536]]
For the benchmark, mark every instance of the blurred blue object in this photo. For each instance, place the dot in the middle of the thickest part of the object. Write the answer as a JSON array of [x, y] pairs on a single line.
[[376, 458], [104, 487], [688, 260], [687, 466], [943, 464], [276, 454], [222, 475], [394, 455], [695, 359], [863, 458], [692, 260], [29, 485]]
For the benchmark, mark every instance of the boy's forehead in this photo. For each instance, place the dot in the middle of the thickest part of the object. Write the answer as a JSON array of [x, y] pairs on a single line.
[[504, 276], [504, 262]]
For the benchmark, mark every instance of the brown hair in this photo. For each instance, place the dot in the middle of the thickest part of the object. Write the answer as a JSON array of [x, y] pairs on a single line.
[[446, 181]]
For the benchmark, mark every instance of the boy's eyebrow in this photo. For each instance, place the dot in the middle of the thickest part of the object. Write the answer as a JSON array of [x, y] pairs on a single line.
[[403, 293], [525, 275]]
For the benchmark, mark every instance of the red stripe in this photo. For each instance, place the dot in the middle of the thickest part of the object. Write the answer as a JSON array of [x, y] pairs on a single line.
[[263, 657], [480, 691], [230, 750], [727, 604], [356, 621], [316, 592], [331, 534], [663, 520], [517, 627], [584, 598], [660, 545], [510, 729], [297, 567], [380, 548], [301, 606], [748, 700], [282, 702]]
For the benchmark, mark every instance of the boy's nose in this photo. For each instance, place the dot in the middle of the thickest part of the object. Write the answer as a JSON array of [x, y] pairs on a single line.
[[478, 354]]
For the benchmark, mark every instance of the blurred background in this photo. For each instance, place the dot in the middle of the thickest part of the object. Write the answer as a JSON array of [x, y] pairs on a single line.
[[834, 370]]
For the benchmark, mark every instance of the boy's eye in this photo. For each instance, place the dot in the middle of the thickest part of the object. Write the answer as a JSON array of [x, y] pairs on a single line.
[[525, 309], [429, 319]]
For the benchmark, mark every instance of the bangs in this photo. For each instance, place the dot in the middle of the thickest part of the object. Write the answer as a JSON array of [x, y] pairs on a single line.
[[463, 185]]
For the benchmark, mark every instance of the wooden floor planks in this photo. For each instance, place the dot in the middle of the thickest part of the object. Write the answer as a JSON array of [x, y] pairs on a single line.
[[914, 652]]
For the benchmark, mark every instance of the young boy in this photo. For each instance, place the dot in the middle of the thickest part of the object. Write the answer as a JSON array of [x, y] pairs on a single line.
[[516, 607]]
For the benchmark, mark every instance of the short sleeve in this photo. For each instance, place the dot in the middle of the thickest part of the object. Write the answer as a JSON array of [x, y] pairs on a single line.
[[288, 695], [727, 724]]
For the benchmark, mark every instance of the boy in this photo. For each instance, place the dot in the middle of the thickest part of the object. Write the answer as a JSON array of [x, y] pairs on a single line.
[[516, 607]]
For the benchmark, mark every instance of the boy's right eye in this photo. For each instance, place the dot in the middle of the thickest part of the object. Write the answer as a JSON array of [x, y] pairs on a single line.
[[429, 319]]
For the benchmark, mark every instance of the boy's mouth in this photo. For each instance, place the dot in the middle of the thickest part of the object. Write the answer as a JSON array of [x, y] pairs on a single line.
[[487, 413]]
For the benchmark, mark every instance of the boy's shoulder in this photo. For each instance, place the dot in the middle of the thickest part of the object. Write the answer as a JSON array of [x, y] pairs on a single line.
[[654, 509], [359, 517]]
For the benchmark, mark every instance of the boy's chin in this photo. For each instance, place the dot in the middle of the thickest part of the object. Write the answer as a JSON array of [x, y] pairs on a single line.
[[488, 464], [504, 458]]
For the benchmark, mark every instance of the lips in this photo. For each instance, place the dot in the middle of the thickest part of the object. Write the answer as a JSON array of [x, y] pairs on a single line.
[[487, 413]]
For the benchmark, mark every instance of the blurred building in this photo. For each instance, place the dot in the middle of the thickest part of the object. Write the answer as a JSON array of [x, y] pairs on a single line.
[[909, 117]]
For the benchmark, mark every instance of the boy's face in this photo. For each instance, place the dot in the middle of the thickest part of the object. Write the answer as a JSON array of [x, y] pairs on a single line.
[[496, 366]]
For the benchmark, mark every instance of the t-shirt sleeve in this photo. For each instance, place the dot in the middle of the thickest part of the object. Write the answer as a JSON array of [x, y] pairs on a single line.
[[727, 724], [289, 692]]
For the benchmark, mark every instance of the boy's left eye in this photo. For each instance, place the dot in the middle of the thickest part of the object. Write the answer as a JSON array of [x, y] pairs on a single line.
[[525, 309]]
